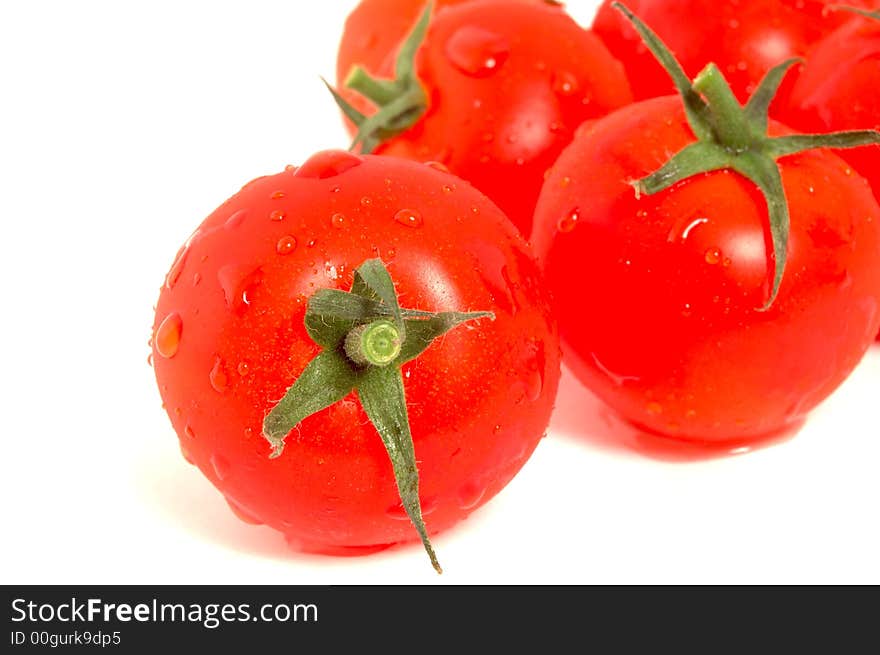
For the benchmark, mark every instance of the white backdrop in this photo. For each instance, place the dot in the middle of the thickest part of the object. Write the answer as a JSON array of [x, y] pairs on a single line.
[[122, 125]]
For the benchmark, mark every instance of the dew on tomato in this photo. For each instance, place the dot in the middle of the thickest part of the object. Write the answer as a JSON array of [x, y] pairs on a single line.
[[239, 282], [409, 218], [286, 245], [221, 466], [241, 513], [337, 220], [476, 51], [217, 376], [564, 83], [249, 345], [568, 222], [235, 219], [168, 335], [177, 267], [329, 163], [277, 215]]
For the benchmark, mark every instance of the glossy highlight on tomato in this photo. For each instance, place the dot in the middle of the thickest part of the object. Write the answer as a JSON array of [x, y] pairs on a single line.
[[506, 84], [229, 340], [660, 297]]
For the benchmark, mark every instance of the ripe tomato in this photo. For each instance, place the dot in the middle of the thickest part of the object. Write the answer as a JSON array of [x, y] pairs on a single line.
[[673, 337], [495, 92], [230, 339], [745, 38], [839, 89]]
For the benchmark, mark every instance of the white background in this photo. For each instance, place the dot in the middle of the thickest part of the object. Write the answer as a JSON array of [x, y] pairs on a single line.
[[122, 125]]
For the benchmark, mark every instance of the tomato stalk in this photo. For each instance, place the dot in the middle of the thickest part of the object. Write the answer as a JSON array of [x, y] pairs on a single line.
[[401, 101], [732, 136], [366, 337]]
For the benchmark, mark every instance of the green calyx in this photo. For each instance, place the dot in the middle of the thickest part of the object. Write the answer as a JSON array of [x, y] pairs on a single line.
[[400, 102], [732, 136], [366, 337]]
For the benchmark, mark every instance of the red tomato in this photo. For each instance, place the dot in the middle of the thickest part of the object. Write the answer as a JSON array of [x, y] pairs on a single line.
[[745, 38], [506, 84], [839, 89], [229, 340], [659, 296]]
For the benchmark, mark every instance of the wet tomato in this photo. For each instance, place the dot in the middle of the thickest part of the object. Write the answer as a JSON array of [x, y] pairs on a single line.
[[493, 90], [253, 351], [714, 282]]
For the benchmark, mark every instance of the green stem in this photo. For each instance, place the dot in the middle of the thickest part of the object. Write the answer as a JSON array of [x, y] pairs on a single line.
[[729, 124], [380, 92], [730, 136], [377, 343], [400, 102], [366, 337]]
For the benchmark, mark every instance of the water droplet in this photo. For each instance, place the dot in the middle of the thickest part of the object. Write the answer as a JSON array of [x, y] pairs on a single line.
[[244, 369], [564, 83], [168, 335], [329, 163], [534, 385], [476, 51], [654, 408], [277, 215], [177, 267], [437, 166], [150, 359], [241, 513], [536, 364], [409, 218], [311, 243], [447, 189], [556, 128], [488, 137], [285, 245], [238, 284], [331, 271], [470, 495], [398, 513], [337, 221], [184, 450], [564, 182], [290, 168], [277, 195], [568, 222], [218, 378], [188, 431], [713, 256], [221, 466]]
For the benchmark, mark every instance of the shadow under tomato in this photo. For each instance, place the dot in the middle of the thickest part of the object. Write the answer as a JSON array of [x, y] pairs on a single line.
[[581, 416]]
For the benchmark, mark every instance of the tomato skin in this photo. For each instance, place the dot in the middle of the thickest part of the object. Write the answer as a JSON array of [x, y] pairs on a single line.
[[839, 89], [502, 127], [479, 398], [672, 337], [745, 38]]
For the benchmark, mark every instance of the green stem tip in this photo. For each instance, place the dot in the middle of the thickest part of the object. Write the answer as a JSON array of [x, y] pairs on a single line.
[[732, 136], [400, 102], [366, 337]]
